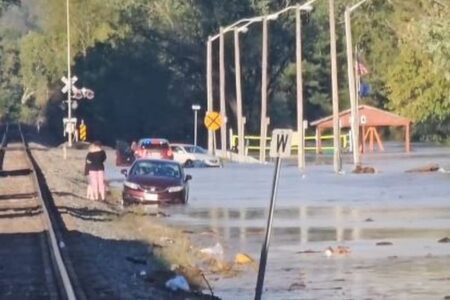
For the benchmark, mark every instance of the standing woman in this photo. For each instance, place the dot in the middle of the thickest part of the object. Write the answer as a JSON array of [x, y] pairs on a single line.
[[95, 164]]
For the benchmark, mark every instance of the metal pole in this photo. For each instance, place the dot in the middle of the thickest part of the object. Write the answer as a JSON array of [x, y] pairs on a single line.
[[262, 143], [69, 77], [237, 62], [195, 127], [300, 129], [223, 127], [357, 78], [334, 83], [209, 88], [351, 88], [265, 248]]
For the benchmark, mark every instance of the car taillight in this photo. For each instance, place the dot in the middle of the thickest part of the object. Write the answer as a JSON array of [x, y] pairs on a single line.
[[169, 153], [141, 152]]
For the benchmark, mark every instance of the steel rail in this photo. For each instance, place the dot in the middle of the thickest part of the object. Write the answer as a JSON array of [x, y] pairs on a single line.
[[54, 243]]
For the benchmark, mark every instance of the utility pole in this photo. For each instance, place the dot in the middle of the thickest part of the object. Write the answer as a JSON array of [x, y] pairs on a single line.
[[300, 128], [209, 89], [262, 143], [69, 78], [240, 123], [352, 89], [335, 97], [223, 127]]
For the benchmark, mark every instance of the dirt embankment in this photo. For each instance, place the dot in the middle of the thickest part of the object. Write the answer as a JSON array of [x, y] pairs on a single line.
[[119, 253]]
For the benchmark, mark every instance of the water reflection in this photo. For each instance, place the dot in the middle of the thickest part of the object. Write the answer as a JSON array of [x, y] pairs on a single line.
[[304, 224]]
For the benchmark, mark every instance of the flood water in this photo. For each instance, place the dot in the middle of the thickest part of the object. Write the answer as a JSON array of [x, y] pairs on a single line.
[[410, 212]]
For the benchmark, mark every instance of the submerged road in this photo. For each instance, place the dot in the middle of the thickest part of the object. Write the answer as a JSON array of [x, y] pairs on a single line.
[[391, 222]]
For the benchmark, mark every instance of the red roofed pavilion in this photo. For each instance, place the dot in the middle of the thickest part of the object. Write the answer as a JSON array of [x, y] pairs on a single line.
[[371, 119]]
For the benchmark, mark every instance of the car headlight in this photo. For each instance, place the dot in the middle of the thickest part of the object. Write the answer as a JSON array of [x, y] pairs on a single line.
[[174, 189], [131, 185]]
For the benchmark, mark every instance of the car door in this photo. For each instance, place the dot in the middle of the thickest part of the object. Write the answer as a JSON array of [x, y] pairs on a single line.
[[179, 154], [124, 154]]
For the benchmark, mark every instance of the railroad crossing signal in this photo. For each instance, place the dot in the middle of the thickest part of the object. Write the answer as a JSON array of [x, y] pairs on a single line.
[[65, 89], [83, 131], [213, 120]]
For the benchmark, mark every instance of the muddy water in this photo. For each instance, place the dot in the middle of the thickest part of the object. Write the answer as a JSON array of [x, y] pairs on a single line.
[[408, 212], [318, 209], [415, 266]]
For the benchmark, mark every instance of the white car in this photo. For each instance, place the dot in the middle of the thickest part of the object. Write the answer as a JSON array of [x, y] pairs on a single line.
[[191, 155]]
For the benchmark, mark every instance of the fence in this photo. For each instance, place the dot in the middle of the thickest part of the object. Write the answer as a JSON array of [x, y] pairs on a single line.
[[252, 143]]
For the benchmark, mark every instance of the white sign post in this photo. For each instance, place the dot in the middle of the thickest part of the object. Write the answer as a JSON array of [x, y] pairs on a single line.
[[68, 86], [280, 146]]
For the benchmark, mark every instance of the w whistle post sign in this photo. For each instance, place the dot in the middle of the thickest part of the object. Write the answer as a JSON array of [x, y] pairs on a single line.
[[280, 145]]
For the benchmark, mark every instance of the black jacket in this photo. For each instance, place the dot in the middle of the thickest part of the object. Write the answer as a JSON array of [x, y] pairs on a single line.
[[95, 160]]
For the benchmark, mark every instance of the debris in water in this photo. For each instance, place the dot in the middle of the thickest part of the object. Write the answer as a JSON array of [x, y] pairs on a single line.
[[243, 259], [364, 170], [178, 283], [216, 250], [339, 250], [444, 240], [384, 244], [308, 252], [427, 168], [297, 286], [138, 261]]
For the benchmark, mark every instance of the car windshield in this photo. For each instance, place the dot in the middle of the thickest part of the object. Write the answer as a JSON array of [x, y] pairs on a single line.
[[156, 168], [195, 149]]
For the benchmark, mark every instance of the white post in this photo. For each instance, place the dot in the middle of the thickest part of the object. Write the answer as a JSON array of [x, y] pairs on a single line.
[[300, 129], [237, 62], [262, 144], [351, 88], [335, 97], [223, 127], [69, 77], [195, 108], [209, 89], [195, 127]]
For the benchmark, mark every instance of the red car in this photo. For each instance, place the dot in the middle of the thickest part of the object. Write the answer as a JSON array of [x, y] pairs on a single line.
[[155, 181], [153, 148]]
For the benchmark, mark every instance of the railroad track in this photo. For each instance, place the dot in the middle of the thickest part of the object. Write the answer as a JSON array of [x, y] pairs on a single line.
[[33, 261]]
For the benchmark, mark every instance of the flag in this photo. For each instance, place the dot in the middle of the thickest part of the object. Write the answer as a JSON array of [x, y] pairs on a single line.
[[364, 89], [361, 68]]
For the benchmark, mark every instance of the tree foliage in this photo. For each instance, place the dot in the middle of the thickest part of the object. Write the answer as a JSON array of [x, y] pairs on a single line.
[[145, 59]]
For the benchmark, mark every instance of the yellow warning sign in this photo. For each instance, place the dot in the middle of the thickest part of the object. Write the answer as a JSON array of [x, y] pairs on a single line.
[[213, 120], [83, 132]]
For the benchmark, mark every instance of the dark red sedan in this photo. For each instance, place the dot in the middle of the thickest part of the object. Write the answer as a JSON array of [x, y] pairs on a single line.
[[155, 181]]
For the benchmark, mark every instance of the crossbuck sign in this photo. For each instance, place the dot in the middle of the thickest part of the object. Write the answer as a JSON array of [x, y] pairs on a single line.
[[280, 146], [65, 89]]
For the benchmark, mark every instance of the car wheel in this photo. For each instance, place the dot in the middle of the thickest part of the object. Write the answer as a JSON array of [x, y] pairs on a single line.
[[188, 163]]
